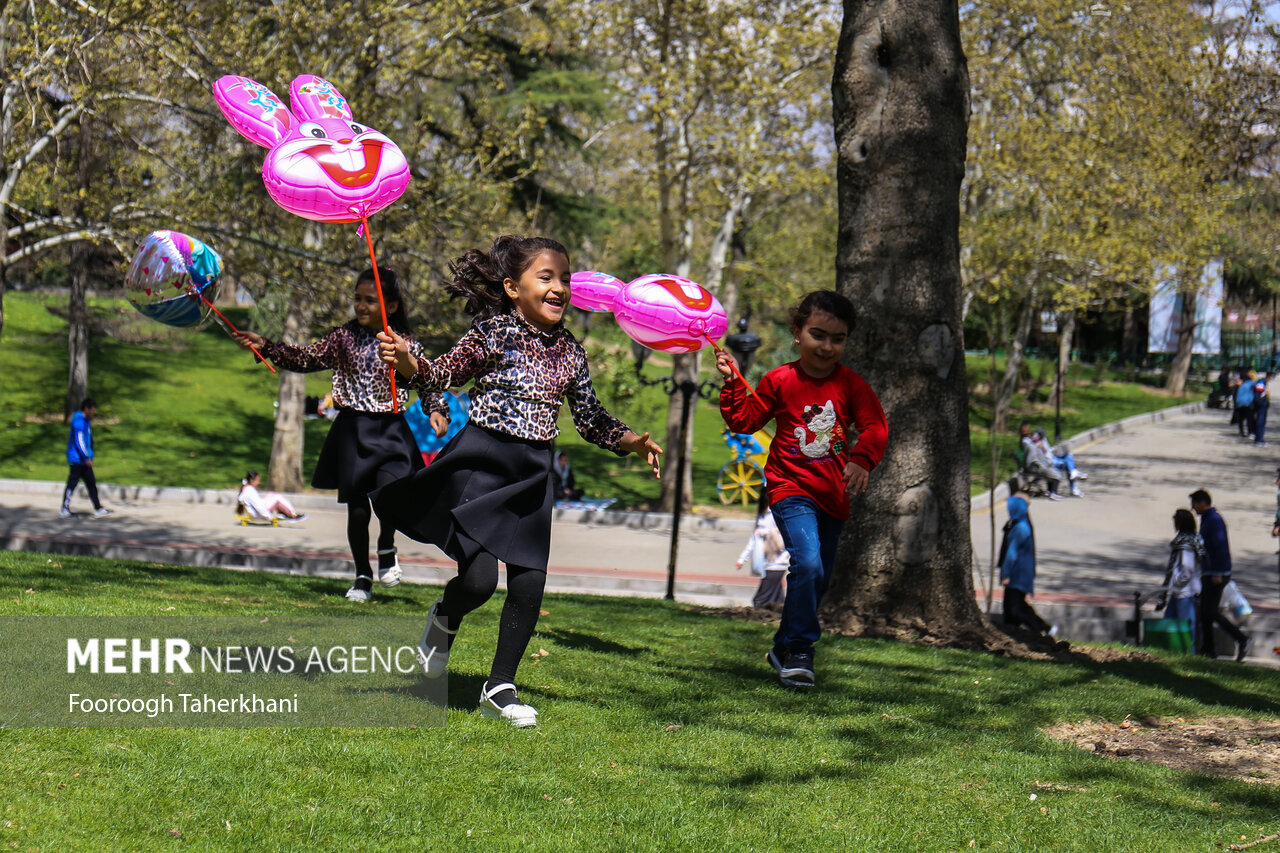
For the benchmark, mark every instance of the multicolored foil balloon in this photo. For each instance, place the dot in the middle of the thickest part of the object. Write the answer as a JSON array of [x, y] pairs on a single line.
[[594, 291], [323, 164], [166, 269], [670, 313]]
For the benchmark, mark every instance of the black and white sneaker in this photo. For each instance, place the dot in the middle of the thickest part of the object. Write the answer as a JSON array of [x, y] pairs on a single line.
[[795, 669]]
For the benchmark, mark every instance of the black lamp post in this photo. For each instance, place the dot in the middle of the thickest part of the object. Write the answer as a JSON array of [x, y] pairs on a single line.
[[688, 388]]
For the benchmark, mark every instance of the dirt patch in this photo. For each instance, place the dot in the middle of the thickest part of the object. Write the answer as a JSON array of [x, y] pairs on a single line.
[[1233, 747]]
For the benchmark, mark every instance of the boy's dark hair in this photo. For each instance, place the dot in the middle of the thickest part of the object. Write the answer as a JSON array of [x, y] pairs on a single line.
[[827, 301], [1200, 496], [478, 276], [88, 403], [1184, 521], [398, 320]]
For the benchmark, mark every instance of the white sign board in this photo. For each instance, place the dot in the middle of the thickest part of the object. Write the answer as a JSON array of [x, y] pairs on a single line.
[[1166, 313]]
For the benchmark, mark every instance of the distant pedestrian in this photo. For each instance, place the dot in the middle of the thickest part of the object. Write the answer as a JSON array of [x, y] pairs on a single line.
[[80, 458], [564, 485], [1186, 565], [767, 556], [1243, 416], [1261, 403], [1018, 569], [1217, 573]]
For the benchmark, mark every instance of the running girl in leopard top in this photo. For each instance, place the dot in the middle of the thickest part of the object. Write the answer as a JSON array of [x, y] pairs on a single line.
[[369, 444], [813, 465], [488, 495]]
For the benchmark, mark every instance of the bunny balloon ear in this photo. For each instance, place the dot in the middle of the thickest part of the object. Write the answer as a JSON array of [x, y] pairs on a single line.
[[314, 98], [253, 110]]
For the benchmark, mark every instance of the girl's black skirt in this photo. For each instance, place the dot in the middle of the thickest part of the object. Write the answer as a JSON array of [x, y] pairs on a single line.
[[486, 490], [365, 450]]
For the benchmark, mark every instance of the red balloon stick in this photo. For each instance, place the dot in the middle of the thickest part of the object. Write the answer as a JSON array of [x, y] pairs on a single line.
[[194, 291], [382, 305], [734, 365]]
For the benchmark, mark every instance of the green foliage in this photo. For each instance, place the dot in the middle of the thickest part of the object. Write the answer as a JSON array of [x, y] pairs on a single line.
[[660, 728]]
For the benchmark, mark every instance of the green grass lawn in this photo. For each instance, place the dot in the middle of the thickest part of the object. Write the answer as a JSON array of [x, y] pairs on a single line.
[[660, 729], [182, 407]]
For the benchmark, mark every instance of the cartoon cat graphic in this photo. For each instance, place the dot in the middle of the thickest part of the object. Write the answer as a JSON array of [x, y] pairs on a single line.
[[828, 435]]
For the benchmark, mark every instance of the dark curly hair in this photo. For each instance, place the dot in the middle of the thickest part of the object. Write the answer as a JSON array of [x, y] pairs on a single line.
[[827, 301], [478, 276]]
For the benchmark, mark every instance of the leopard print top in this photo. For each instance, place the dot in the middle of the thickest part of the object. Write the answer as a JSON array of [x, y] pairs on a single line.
[[522, 376], [360, 377]]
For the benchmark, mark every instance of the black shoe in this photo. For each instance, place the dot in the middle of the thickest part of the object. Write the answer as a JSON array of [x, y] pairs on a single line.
[[1242, 649], [795, 669]]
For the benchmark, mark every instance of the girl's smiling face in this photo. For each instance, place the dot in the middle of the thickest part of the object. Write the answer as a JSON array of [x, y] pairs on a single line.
[[541, 294], [365, 305], [821, 340]]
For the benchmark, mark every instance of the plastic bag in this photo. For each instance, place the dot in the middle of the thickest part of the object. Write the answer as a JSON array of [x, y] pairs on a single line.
[[1234, 603]]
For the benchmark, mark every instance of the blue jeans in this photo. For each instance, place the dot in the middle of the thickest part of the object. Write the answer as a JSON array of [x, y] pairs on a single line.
[[1065, 463], [811, 537], [1183, 608], [1260, 425]]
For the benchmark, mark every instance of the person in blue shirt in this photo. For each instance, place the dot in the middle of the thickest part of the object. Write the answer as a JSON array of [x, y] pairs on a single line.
[[1214, 579], [1244, 404], [80, 458], [1018, 569], [426, 429]]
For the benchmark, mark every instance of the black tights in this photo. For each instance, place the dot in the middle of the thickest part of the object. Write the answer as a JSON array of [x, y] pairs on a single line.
[[359, 514], [474, 585]]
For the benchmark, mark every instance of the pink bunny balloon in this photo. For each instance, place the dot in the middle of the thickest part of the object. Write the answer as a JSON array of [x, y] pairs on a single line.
[[323, 165]]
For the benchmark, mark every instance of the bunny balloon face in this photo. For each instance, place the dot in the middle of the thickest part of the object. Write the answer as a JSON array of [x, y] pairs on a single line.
[[323, 164]]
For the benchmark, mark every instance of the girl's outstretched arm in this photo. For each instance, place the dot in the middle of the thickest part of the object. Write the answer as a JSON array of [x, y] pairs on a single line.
[[642, 445]]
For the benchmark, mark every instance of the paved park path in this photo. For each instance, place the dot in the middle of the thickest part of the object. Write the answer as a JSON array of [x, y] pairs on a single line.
[[1093, 551]]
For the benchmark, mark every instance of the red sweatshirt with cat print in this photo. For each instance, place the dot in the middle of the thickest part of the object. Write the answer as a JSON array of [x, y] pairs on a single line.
[[822, 425]]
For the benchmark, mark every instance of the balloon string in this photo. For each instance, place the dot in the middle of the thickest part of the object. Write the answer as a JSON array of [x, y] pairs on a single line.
[[382, 306], [733, 364], [195, 291]]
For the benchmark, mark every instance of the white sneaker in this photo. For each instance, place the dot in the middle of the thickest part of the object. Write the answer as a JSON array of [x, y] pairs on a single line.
[[1079, 475], [359, 596], [65, 513], [1076, 493], [1054, 496], [520, 716], [102, 512], [391, 575]]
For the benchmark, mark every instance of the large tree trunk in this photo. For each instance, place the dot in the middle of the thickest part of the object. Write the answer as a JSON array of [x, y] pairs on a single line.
[[901, 111], [285, 471], [1177, 382], [78, 308]]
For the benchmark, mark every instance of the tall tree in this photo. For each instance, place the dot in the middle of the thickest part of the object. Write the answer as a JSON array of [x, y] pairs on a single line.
[[901, 106]]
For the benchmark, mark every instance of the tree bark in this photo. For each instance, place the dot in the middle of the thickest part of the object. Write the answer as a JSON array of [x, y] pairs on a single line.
[[77, 307], [285, 470], [1066, 332], [1177, 382], [901, 110]]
